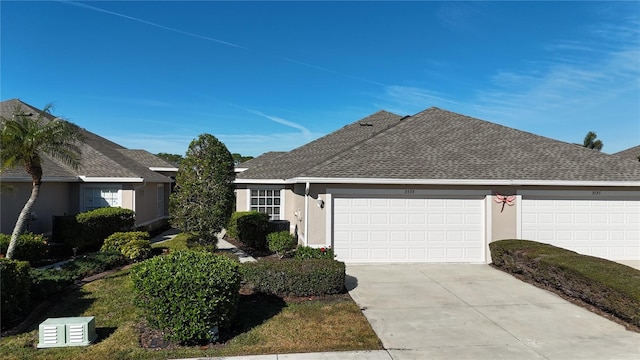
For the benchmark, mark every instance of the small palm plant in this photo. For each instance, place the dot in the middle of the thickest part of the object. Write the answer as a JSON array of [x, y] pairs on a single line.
[[24, 139]]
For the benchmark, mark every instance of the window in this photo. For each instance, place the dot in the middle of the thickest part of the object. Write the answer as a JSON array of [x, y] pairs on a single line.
[[266, 201], [98, 196], [160, 201]]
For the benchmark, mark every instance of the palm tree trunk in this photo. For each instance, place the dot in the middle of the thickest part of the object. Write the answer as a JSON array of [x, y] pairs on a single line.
[[22, 218]]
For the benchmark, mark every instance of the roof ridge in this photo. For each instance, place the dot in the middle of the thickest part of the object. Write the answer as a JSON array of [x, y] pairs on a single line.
[[375, 134]]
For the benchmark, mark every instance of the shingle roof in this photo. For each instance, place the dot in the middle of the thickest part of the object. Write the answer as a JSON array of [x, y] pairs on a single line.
[[99, 157], [257, 161], [298, 160], [629, 154], [439, 144]]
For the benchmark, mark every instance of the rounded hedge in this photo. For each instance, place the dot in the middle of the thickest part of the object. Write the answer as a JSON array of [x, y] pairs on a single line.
[[188, 294]]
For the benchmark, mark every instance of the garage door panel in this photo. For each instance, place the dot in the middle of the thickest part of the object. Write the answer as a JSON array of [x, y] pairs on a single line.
[[608, 228], [408, 230]]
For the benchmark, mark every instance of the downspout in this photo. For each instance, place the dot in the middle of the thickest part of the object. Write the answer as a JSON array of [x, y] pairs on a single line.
[[306, 214]]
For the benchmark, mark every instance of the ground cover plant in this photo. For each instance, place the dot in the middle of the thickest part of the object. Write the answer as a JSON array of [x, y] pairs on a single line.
[[606, 285]]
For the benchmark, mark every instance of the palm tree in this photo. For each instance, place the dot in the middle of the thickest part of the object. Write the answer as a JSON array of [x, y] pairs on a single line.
[[591, 142], [24, 139]]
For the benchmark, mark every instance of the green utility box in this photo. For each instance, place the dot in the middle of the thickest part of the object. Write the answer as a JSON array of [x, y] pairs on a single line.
[[69, 331]]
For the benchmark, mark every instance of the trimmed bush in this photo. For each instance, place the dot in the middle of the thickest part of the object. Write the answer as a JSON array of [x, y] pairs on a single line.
[[30, 247], [188, 293], [295, 277], [134, 245], [15, 285], [612, 287], [250, 228], [98, 224], [281, 242], [136, 249], [307, 252], [47, 282]]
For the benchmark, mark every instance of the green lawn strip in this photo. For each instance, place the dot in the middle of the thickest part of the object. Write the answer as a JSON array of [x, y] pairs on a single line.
[[611, 287], [179, 242], [269, 325]]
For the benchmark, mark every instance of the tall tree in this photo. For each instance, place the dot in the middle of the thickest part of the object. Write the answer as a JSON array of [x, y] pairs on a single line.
[[591, 142], [24, 139], [203, 200], [238, 158], [172, 158]]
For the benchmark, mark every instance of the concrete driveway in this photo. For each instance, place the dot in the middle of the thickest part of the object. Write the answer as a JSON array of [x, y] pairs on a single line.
[[455, 311]]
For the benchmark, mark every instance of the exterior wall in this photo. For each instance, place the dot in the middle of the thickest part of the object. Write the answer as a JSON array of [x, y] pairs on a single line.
[[145, 202], [242, 199], [499, 223], [54, 199]]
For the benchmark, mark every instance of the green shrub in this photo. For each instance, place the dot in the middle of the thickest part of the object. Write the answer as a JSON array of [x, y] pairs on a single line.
[[15, 286], [136, 249], [94, 263], [98, 224], [29, 247], [66, 230], [610, 286], [47, 282], [187, 293], [250, 228], [134, 245], [307, 252], [295, 277], [281, 242]]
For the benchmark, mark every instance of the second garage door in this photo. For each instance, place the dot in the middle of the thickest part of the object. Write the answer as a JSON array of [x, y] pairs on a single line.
[[428, 229], [607, 228]]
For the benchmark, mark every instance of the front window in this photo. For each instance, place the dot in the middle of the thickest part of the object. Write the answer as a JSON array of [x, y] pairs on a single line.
[[266, 201], [97, 197]]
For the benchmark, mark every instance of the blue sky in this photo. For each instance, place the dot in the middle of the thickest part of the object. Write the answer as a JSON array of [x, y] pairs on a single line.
[[266, 76]]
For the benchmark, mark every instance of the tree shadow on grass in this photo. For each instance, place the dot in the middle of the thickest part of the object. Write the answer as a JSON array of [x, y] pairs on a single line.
[[104, 333], [253, 310]]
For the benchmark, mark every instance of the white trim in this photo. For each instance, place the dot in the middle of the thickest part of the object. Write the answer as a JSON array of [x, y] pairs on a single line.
[[387, 181], [487, 223], [264, 181], [89, 179], [152, 168], [239, 169]]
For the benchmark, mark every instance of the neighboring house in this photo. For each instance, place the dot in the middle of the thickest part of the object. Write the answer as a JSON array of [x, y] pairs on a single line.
[[629, 154], [424, 188], [109, 175]]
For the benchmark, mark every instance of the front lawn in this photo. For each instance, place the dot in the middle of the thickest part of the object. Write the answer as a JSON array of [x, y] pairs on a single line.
[[265, 324]]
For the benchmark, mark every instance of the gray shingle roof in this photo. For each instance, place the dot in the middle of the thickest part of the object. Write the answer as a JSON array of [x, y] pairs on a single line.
[[257, 161], [298, 160], [99, 158], [439, 144], [629, 154]]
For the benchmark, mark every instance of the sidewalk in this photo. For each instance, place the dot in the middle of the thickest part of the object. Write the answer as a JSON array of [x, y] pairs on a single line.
[[342, 355], [223, 245]]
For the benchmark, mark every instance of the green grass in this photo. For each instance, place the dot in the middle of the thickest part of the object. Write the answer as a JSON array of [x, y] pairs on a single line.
[[607, 285], [265, 324], [179, 242]]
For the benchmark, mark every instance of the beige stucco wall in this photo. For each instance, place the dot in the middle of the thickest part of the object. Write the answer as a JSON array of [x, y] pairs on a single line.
[[54, 199], [242, 194], [499, 224], [145, 202]]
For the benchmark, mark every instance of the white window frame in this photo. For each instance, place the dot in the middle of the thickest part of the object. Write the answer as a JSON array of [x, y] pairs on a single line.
[[85, 187], [267, 188]]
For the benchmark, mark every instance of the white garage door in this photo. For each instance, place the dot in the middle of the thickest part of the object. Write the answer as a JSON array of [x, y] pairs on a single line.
[[604, 228], [378, 229]]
